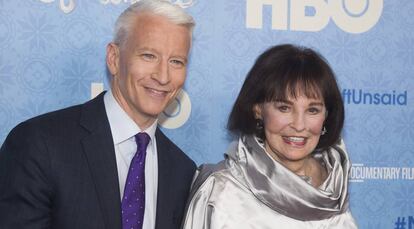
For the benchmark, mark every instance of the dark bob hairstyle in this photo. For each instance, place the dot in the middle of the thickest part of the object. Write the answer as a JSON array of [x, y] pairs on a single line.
[[285, 71]]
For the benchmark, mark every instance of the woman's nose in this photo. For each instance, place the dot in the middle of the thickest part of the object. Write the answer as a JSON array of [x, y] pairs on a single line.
[[298, 122]]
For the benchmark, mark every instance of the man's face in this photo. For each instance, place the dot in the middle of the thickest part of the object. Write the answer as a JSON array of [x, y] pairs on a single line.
[[150, 68]]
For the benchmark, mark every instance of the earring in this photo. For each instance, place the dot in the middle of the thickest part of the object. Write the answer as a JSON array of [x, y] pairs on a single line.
[[324, 131], [259, 124]]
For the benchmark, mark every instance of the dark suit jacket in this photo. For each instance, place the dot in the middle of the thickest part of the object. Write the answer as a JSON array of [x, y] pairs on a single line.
[[58, 170]]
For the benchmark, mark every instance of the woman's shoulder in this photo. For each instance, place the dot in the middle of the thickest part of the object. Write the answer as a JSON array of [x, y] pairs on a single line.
[[210, 176], [208, 171]]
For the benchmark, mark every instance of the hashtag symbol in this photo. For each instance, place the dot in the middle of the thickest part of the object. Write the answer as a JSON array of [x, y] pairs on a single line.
[[400, 223]]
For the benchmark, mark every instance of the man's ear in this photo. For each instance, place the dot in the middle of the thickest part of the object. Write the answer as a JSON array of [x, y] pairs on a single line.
[[257, 109], [112, 58]]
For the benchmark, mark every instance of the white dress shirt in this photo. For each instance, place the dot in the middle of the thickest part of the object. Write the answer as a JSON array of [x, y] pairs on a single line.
[[123, 130]]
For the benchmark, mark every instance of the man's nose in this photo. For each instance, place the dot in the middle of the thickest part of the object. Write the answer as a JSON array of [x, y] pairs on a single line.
[[161, 73]]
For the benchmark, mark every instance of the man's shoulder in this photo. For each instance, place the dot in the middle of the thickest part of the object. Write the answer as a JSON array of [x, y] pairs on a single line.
[[70, 112], [60, 120], [61, 114], [44, 121]]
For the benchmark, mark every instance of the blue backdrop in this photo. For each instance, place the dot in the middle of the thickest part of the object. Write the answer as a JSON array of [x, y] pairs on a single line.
[[53, 55]]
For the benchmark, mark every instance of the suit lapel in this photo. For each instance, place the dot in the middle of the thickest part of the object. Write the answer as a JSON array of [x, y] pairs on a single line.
[[100, 154], [165, 199]]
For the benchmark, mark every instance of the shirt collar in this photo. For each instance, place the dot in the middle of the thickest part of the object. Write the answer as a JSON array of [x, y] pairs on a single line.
[[122, 126]]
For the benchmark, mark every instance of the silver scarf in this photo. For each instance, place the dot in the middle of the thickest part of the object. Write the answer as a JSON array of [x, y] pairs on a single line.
[[285, 192]]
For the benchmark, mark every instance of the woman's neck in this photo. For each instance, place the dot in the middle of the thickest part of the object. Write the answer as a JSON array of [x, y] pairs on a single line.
[[308, 167]]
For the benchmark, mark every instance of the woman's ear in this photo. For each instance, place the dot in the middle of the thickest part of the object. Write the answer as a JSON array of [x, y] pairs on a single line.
[[257, 109], [112, 58]]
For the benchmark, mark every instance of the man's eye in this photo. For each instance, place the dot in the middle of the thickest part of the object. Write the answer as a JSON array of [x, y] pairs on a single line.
[[177, 63], [148, 56]]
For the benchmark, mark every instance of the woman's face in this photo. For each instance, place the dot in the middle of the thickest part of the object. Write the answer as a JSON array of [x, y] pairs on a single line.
[[292, 128]]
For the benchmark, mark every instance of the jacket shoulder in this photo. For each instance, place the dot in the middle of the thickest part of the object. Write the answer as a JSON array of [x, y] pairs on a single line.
[[58, 121], [208, 172]]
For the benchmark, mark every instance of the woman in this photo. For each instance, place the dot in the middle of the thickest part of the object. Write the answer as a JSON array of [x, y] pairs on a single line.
[[289, 168]]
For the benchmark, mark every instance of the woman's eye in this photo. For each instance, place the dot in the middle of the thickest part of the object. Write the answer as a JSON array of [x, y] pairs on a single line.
[[314, 110], [283, 108]]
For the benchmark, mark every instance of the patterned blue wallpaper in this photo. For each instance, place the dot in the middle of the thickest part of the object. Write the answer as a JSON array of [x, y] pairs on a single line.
[[52, 51]]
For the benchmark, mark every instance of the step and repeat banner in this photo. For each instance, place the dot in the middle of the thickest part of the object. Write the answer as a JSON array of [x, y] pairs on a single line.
[[53, 55]]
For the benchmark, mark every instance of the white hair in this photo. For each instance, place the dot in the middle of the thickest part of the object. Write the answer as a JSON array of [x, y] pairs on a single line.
[[164, 8]]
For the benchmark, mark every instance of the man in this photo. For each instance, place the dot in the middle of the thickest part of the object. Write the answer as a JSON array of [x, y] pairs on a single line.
[[74, 168]]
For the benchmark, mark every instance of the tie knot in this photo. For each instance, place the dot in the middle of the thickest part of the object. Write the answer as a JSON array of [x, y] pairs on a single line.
[[142, 139]]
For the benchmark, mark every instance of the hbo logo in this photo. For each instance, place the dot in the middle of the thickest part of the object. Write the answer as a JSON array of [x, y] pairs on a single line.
[[352, 16]]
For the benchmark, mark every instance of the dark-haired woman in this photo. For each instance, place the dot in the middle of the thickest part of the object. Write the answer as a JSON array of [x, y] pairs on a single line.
[[289, 167]]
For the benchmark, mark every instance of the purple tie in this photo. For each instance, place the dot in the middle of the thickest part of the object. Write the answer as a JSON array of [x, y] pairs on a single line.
[[133, 202]]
